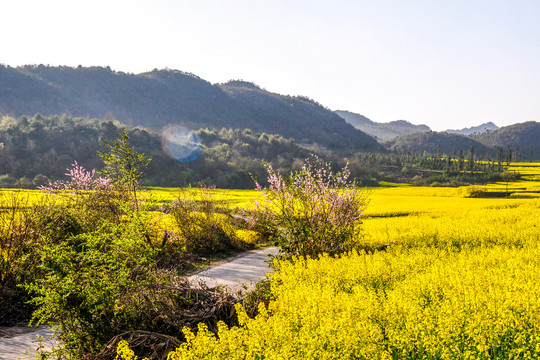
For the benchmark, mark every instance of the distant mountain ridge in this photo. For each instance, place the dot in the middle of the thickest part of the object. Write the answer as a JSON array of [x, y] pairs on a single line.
[[381, 131], [522, 138], [438, 143], [482, 128], [163, 98]]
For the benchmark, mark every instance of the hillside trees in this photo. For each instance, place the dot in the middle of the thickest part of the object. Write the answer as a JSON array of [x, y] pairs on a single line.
[[42, 147], [522, 138], [38, 149], [162, 98]]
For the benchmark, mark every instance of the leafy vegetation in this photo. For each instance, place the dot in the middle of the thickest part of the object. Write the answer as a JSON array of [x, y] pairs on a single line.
[[521, 139], [17, 234], [93, 259], [123, 165], [436, 144], [37, 150], [204, 223]]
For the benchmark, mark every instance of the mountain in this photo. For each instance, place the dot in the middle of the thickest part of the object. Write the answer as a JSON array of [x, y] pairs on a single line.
[[164, 98], [523, 139], [438, 143], [381, 131], [489, 126], [34, 150]]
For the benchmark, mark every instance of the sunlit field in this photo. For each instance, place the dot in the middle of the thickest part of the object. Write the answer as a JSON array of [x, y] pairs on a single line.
[[233, 198], [444, 273], [458, 280], [422, 216]]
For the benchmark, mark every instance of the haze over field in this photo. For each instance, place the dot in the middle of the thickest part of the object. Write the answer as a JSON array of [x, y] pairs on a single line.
[[444, 64]]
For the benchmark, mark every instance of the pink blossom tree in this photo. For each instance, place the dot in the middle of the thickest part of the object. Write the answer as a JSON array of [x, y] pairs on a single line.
[[90, 197], [80, 179], [313, 211]]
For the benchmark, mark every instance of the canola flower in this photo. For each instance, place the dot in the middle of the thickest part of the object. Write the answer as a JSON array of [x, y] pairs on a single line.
[[435, 304], [462, 282], [497, 223]]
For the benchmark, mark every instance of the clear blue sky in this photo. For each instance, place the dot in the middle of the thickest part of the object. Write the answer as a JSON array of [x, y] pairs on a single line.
[[444, 63]]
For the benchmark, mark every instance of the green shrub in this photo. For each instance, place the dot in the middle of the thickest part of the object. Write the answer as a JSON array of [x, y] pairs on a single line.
[[17, 263], [8, 181], [204, 225], [88, 282]]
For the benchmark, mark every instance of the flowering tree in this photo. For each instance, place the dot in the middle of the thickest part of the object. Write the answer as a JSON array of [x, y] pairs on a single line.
[[86, 196], [80, 179], [313, 211]]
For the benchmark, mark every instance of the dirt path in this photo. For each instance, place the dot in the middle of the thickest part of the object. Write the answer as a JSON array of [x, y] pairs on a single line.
[[245, 268], [25, 346]]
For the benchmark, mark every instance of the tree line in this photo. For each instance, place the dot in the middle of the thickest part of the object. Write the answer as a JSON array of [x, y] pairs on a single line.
[[37, 150]]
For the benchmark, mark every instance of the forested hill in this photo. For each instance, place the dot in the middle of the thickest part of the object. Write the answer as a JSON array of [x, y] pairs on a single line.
[[381, 131], [297, 117], [38, 149], [523, 139], [482, 128], [439, 143], [162, 98]]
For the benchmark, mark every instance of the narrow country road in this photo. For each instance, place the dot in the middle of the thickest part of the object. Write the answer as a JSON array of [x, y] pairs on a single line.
[[25, 346], [251, 266], [246, 268]]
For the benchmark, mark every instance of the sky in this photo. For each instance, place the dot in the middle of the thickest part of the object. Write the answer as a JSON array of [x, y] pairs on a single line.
[[448, 64]]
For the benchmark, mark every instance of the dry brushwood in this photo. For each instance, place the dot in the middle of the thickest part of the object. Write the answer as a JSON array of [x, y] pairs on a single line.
[[155, 346], [168, 310], [371, 249]]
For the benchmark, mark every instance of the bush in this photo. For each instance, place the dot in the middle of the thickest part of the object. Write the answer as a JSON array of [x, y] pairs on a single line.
[[314, 211], [86, 278], [96, 259], [16, 256], [7, 181], [88, 198], [102, 287], [40, 180], [204, 225]]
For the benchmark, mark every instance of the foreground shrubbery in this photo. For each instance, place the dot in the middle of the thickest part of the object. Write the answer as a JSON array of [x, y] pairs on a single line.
[[95, 265], [204, 223], [16, 266]]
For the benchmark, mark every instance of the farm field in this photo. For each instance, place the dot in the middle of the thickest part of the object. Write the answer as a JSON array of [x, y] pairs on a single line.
[[460, 280]]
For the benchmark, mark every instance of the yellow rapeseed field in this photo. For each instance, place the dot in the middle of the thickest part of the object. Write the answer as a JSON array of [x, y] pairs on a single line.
[[460, 280]]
